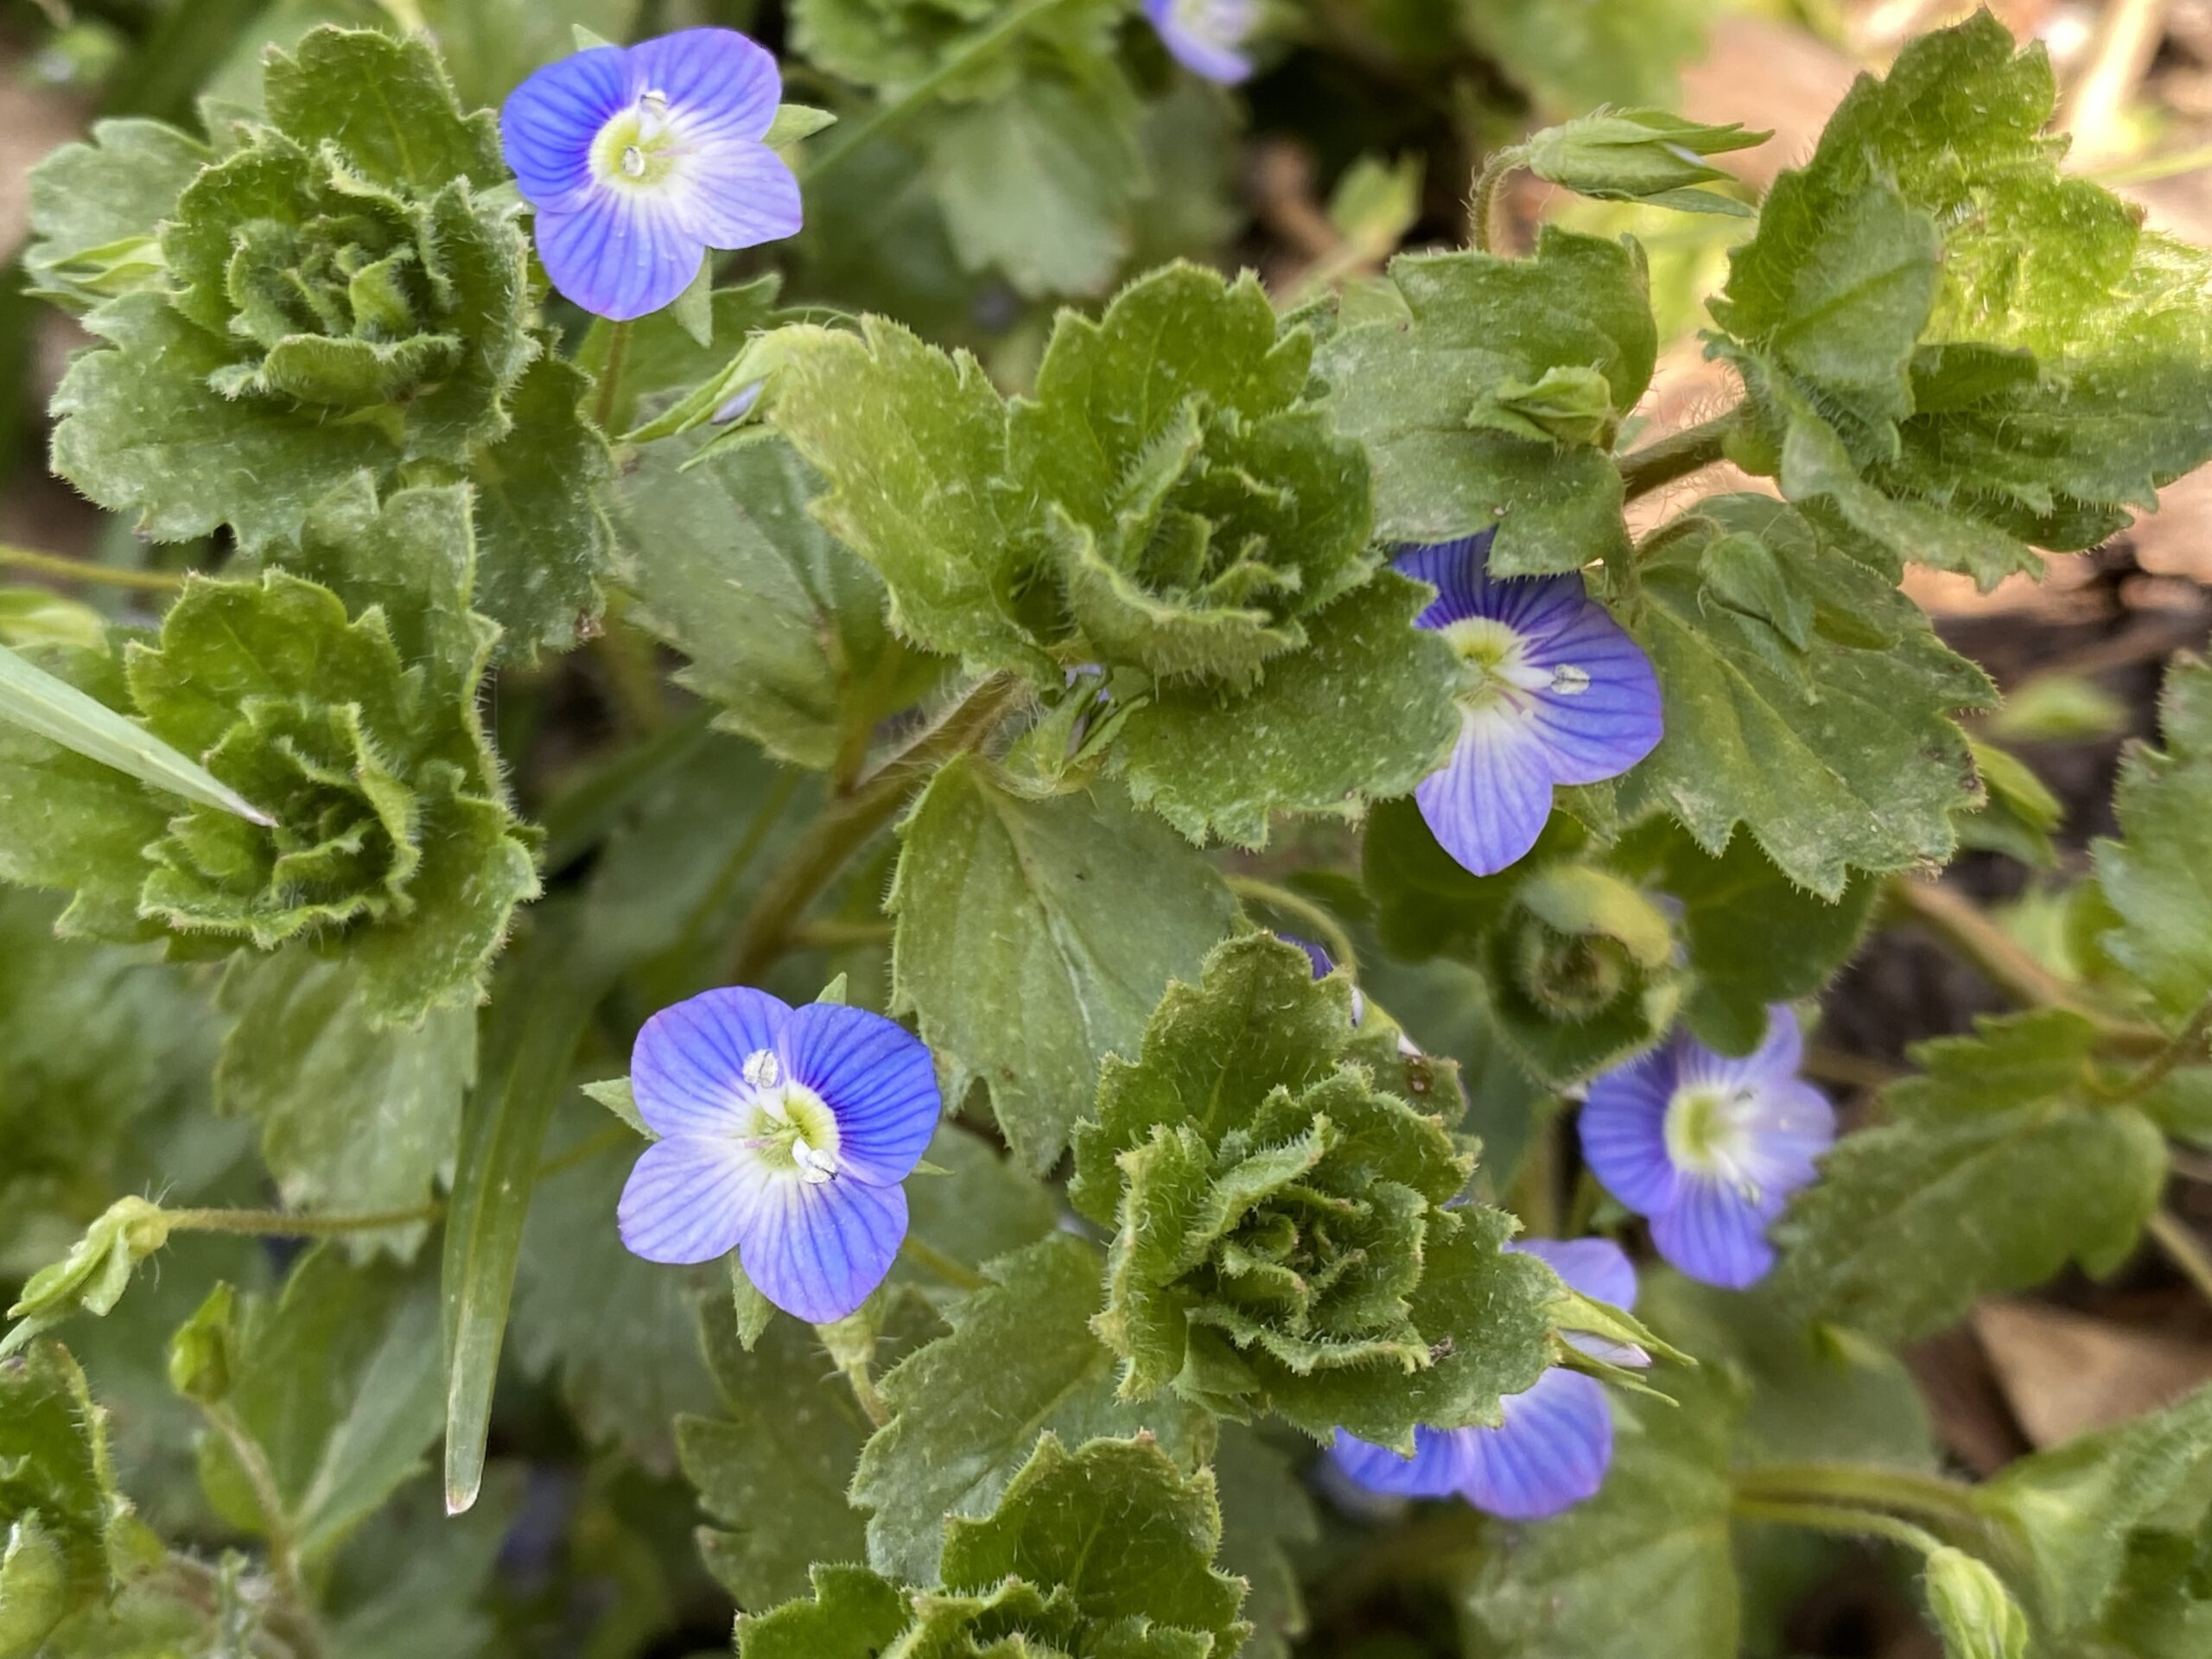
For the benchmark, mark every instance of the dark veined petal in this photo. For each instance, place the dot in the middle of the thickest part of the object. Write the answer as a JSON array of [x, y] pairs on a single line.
[[815, 1250], [1460, 571], [1204, 35], [687, 1069], [618, 252], [717, 81], [693, 1197], [1549, 1454], [1779, 1056], [1597, 1267], [548, 123], [1624, 1128], [1438, 1467], [734, 192], [876, 1076], [1489, 804], [1602, 715], [1716, 1232]]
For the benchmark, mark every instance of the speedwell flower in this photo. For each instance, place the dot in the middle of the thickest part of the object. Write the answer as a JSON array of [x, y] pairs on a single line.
[[786, 1133], [1552, 1448], [1561, 695], [639, 161], [1709, 1148], [1207, 37]]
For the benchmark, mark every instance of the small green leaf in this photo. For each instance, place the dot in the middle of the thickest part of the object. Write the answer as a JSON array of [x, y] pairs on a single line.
[[387, 106], [2070, 1509], [1483, 329], [794, 122], [1034, 937], [335, 1379], [2149, 877], [1994, 1169], [785, 627], [968, 1407], [94, 206], [352, 1117]]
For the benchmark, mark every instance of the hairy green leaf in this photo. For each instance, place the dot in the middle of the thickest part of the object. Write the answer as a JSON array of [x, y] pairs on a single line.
[[1034, 937], [2154, 877]]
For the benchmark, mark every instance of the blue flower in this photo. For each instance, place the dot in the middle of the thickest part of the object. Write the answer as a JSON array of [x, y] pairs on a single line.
[[1324, 965], [785, 1133], [1551, 1450], [639, 161], [1207, 36], [1709, 1148], [1561, 695]]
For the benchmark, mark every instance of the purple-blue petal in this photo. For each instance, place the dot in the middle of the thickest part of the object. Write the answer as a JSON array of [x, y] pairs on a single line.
[[1597, 1267], [876, 1076], [1436, 1468], [716, 79], [1780, 1052], [549, 123], [690, 1199], [1623, 1129], [687, 1069], [1490, 801], [1549, 1454], [820, 1247], [1460, 571], [1199, 52], [1716, 1233], [620, 254], [735, 193], [1614, 720]]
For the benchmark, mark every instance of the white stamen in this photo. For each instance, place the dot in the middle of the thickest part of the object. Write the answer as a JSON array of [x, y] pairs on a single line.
[[654, 101], [1569, 681], [763, 1070], [633, 162], [814, 1165]]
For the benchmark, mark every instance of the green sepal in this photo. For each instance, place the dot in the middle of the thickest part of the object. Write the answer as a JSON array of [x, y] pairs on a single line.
[[1645, 156], [92, 1277]]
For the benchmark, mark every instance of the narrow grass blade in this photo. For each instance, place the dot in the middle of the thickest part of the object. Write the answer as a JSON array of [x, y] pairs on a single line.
[[31, 698]]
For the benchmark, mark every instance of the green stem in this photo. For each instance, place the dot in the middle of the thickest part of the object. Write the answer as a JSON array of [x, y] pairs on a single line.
[[610, 376], [848, 823], [1332, 937], [1855, 1523], [269, 1499], [1678, 455], [66, 570], [851, 139], [2188, 1045], [932, 1260], [1855, 1486], [275, 1223], [1482, 207], [2182, 1248], [1959, 926]]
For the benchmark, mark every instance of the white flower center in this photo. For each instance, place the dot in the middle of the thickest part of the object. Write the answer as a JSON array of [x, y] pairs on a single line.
[[1709, 1132], [639, 145], [1504, 675], [792, 1127], [1217, 22]]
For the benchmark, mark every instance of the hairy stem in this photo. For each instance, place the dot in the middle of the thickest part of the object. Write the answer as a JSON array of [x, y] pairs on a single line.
[[851, 139], [275, 1223], [2187, 1045], [2182, 1248], [1332, 937], [929, 1259], [1959, 925], [1678, 455], [67, 569], [283, 1561], [610, 378], [1482, 206], [1854, 1486], [1858, 1523], [848, 823]]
